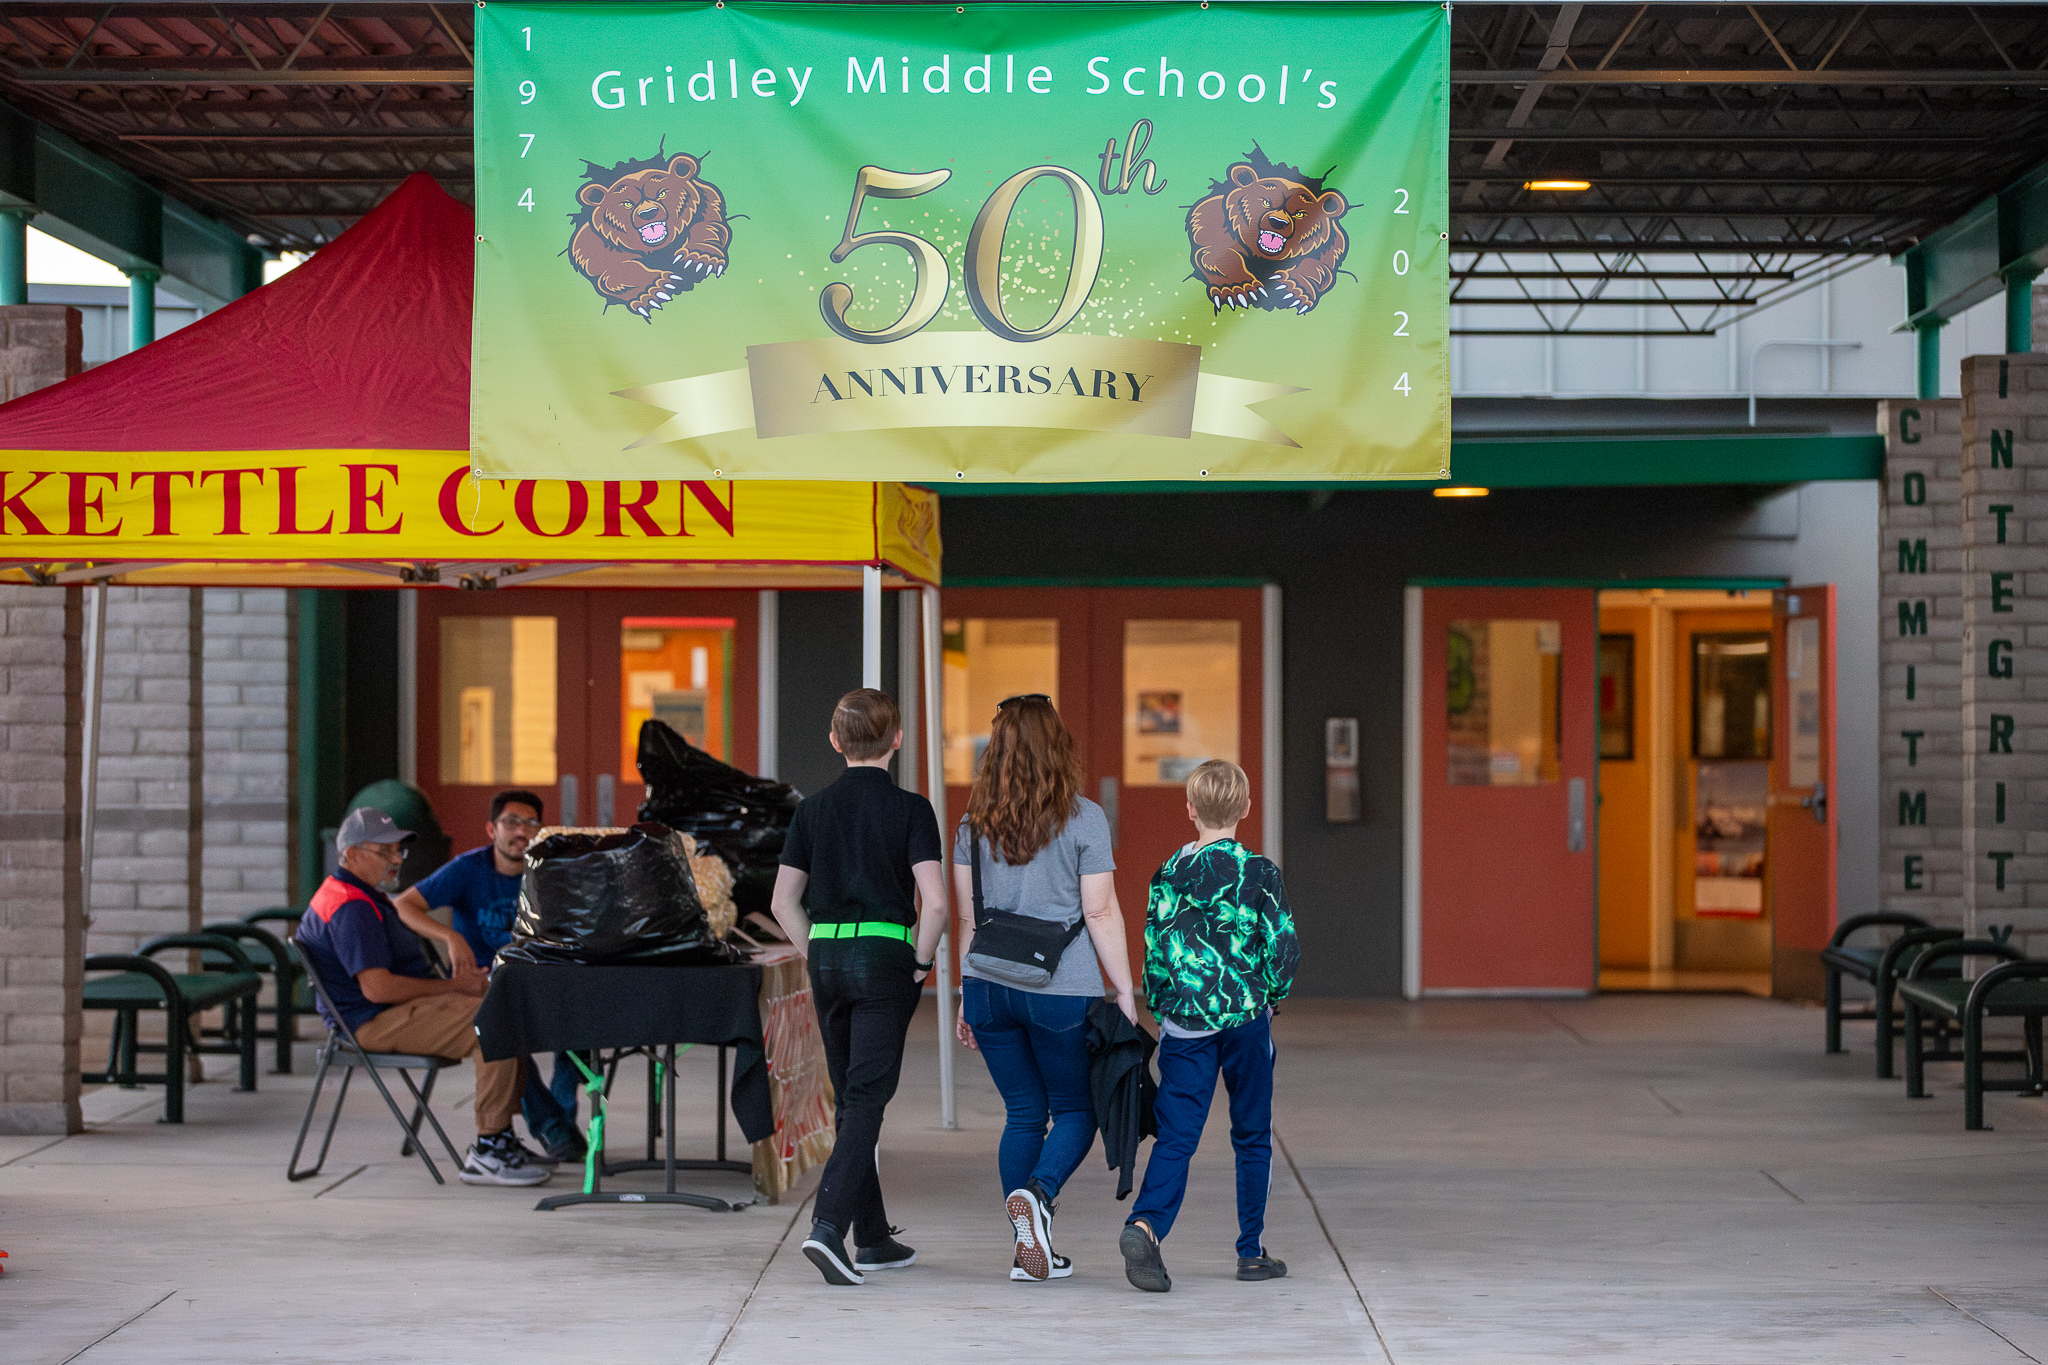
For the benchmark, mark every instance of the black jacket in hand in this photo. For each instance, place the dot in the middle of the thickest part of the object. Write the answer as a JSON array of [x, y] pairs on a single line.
[[1120, 1081]]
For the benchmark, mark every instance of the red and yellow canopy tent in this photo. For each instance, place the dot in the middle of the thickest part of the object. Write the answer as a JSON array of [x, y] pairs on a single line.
[[315, 433]]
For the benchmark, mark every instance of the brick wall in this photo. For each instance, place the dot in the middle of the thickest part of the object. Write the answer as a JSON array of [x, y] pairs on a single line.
[[1920, 700], [2005, 647], [246, 635], [41, 910], [145, 871], [40, 344]]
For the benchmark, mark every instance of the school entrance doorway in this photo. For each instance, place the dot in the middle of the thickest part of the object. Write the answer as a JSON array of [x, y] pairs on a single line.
[[1619, 789], [546, 689], [1152, 682]]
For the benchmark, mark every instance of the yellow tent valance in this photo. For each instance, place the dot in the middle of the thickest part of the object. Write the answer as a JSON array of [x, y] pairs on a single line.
[[319, 518]]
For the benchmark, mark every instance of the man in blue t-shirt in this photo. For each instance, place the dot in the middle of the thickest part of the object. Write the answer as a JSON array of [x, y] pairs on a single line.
[[481, 890]]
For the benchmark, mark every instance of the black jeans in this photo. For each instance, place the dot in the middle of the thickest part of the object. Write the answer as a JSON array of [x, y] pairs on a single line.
[[865, 996]]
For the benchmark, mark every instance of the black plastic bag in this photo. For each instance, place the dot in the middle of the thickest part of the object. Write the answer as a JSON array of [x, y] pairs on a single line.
[[740, 817], [613, 898]]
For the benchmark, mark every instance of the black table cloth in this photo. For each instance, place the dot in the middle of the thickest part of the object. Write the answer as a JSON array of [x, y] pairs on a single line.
[[545, 1008]]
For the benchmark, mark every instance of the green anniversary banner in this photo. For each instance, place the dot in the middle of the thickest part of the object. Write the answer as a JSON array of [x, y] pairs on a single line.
[[957, 243]]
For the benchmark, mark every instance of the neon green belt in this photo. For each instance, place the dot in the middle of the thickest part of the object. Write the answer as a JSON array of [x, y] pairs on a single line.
[[862, 929]]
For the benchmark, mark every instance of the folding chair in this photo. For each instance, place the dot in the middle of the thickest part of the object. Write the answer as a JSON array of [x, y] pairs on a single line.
[[342, 1050]]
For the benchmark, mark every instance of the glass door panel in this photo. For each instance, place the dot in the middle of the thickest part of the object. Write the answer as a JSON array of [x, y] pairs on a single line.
[[986, 660], [500, 676], [1180, 699]]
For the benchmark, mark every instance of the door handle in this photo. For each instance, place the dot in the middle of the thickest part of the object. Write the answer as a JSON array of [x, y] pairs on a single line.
[[607, 803], [1575, 818], [569, 800], [1108, 793], [1817, 803]]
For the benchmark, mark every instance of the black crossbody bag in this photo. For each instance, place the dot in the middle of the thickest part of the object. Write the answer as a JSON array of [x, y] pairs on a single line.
[[1014, 949]]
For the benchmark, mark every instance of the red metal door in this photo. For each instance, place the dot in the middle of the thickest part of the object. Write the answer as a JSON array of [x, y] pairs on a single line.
[[1800, 863], [502, 702], [1176, 678], [691, 658], [1507, 757], [1150, 681]]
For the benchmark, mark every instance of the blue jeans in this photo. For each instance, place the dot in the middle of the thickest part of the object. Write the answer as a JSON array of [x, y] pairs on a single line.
[[1188, 1068], [548, 1105], [1037, 1053]]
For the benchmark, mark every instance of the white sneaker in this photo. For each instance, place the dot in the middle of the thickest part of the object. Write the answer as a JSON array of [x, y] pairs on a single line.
[[1032, 1224], [499, 1159], [1061, 1268]]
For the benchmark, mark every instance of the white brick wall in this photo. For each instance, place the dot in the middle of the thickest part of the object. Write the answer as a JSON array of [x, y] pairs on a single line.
[[1920, 620], [247, 635], [41, 917], [145, 868], [2005, 704]]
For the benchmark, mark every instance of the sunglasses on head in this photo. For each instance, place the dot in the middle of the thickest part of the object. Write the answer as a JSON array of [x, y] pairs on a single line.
[[1008, 702]]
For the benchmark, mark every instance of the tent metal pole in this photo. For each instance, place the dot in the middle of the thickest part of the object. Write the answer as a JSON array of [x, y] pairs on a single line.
[[768, 682], [935, 785], [909, 637], [871, 625], [95, 692]]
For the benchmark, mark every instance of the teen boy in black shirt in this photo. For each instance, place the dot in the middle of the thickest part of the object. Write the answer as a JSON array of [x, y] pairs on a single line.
[[860, 855]]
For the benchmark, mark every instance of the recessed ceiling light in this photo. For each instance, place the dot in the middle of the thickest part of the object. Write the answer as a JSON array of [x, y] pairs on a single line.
[[1569, 186], [1461, 492]]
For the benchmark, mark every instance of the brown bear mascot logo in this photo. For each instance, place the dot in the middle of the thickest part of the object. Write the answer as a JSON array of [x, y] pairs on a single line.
[[648, 231], [1267, 237]]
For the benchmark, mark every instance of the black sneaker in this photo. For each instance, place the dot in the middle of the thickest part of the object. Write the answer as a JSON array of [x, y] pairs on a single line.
[[1143, 1265], [1061, 1268], [887, 1254], [1030, 1224], [563, 1143], [1260, 1267], [825, 1248]]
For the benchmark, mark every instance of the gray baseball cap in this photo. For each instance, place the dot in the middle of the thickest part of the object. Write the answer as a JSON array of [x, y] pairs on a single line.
[[368, 825]]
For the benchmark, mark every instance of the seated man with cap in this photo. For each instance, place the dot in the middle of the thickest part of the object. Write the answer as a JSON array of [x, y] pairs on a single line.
[[380, 980]]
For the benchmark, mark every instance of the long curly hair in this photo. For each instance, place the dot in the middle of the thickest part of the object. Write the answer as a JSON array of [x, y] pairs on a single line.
[[1029, 782]]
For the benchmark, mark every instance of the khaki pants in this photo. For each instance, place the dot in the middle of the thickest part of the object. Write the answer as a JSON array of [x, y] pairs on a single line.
[[445, 1026]]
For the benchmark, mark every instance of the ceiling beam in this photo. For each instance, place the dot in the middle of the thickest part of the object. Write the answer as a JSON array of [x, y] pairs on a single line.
[[371, 134], [1762, 75], [451, 75], [1799, 137]]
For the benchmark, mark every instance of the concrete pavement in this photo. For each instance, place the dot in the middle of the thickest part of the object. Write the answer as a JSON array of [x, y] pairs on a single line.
[[1625, 1179]]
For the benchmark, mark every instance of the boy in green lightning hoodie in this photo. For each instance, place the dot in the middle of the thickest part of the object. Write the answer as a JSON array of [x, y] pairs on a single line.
[[1220, 952]]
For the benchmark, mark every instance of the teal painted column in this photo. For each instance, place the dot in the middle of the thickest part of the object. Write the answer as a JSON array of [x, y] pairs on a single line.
[[14, 254], [142, 307], [1928, 334], [2019, 311], [317, 695]]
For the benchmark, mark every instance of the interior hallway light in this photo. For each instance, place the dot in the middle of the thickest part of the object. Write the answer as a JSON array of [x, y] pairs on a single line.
[[1461, 492], [1568, 186]]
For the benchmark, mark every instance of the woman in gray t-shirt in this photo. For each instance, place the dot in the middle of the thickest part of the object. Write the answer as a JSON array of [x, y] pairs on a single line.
[[1044, 852]]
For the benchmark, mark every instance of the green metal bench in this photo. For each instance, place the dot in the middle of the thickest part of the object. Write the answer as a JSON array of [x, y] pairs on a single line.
[[1840, 958], [2016, 988], [270, 956], [302, 994], [141, 983]]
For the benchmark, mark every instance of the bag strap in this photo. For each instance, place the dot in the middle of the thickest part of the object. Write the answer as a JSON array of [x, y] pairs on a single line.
[[981, 914], [974, 860]]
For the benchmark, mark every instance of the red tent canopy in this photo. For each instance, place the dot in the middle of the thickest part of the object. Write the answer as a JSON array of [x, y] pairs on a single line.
[[364, 347], [316, 432]]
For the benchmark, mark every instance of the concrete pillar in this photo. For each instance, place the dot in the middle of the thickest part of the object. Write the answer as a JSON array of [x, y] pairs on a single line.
[[2005, 647], [14, 255], [142, 307], [1920, 700], [42, 915], [40, 344]]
